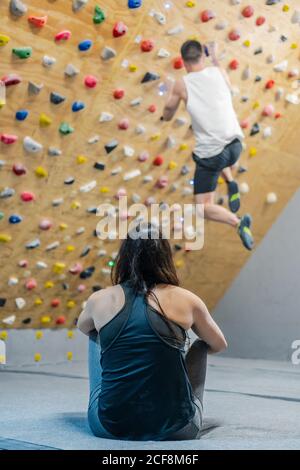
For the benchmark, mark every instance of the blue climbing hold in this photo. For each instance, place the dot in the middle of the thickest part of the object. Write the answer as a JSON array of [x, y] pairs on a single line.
[[134, 3], [77, 106], [85, 45], [15, 219], [22, 114]]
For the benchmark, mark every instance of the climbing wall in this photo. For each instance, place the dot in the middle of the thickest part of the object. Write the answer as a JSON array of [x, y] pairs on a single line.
[[83, 88]]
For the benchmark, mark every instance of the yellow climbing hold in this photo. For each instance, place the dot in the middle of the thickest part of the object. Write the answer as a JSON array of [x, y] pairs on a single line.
[[286, 8], [39, 335], [38, 301], [104, 189], [4, 237], [81, 159], [45, 120], [63, 226], [2, 359], [183, 146], [4, 39], [155, 137], [247, 43], [70, 248], [70, 334], [179, 263], [37, 357], [221, 180], [256, 105], [45, 319], [172, 165], [75, 205], [3, 335], [190, 4], [49, 284], [71, 304], [132, 68], [69, 356], [294, 45], [252, 152], [58, 267], [41, 172]]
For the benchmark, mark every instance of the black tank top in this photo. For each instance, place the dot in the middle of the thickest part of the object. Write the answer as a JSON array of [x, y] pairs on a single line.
[[145, 392]]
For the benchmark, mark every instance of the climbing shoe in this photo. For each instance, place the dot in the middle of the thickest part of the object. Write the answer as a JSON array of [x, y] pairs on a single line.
[[245, 232], [234, 198]]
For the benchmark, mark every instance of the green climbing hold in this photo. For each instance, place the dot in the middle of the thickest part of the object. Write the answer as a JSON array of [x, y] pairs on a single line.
[[22, 52], [65, 128], [1, 215], [99, 15]]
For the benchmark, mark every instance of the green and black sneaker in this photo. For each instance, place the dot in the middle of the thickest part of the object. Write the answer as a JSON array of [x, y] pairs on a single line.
[[245, 232], [234, 198]]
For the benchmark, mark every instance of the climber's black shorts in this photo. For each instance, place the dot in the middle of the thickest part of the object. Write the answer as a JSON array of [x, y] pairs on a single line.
[[208, 169]]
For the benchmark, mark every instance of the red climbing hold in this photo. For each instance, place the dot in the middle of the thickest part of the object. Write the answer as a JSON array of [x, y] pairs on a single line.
[[55, 302], [8, 139], [63, 35], [270, 84], [60, 320], [244, 123], [27, 196], [152, 108], [207, 15], [119, 94], [234, 35], [260, 20], [119, 29], [90, 81], [38, 21], [234, 64], [123, 124], [158, 160], [278, 115], [147, 45], [19, 169], [11, 79], [30, 284], [178, 63], [248, 11]]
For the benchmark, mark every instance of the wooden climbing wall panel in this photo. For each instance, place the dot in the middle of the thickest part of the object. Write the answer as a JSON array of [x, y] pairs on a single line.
[[51, 137]]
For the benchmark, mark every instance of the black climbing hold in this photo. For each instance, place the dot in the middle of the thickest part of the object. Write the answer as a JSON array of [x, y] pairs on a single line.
[[96, 288], [242, 169], [259, 50], [92, 210], [99, 166], [85, 251], [69, 180], [272, 2], [111, 146], [258, 78], [283, 38], [185, 170], [26, 321], [87, 273], [177, 247], [244, 99], [2, 302], [150, 77], [220, 201], [56, 98], [65, 286], [255, 129]]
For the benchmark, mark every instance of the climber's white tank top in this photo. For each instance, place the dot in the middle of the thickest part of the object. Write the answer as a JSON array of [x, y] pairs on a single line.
[[209, 102]]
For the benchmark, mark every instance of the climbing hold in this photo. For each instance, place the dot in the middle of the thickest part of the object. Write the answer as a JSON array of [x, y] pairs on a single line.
[[37, 357], [255, 129], [267, 132], [8, 138], [106, 117], [45, 319], [131, 174], [77, 106], [172, 165], [54, 152], [65, 128], [178, 63], [293, 73], [4, 39], [234, 64], [39, 335], [41, 172], [163, 53], [119, 29], [244, 123], [162, 182], [15, 219], [207, 15], [63, 35], [48, 61], [20, 303], [292, 99], [158, 161], [296, 17], [134, 3], [17, 7], [248, 11], [271, 198], [85, 45], [9, 321], [136, 101], [34, 88], [252, 152], [128, 151], [99, 15], [108, 53], [149, 77], [7, 192], [234, 35], [123, 124], [90, 81], [69, 180], [244, 188], [270, 84], [118, 94], [111, 145], [88, 187], [258, 51], [78, 4], [38, 21], [246, 73], [268, 110], [45, 120], [31, 145], [260, 20], [84, 275], [22, 52], [4, 238], [71, 70], [247, 43], [285, 8], [147, 45], [143, 156], [30, 284], [11, 79], [56, 98]]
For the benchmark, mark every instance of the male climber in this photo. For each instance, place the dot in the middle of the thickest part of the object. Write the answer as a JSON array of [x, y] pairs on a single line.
[[206, 92]]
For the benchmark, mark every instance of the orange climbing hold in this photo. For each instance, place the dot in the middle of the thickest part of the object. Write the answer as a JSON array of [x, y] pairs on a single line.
[[147, 45], [207, 15], [38, 21], [260, 20], [270, 84], [178, 63]]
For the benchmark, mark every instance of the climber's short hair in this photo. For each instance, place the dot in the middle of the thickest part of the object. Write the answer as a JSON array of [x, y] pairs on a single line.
[[191, 51]]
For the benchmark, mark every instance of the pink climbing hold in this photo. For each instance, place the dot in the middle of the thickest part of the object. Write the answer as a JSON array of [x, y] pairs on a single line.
[[162, 182], [234, 64], [123, 124], [244, 123], [23, 263], [268, 110], [270, 84], [11, 79], [121, 193], [19, 169], [27, 196], [90, 81], [38, 21], [55, 303], [76, 268], [119, 29], [119, 94], [8, 138], [81, 288], [260, 21], [158, 160], [178, 63], [207, 15], [152, 108], [63, 35], [143, 156], [45, 224], [31, 284], [248, 11], [147, 45], [234, 35]]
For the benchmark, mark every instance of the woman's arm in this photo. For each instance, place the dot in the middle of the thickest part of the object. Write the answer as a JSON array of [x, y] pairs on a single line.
[[85, 321], [206, 328]]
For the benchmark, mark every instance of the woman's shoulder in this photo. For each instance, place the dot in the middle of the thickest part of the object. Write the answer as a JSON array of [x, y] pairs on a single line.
[[104, 293], [179, 292]]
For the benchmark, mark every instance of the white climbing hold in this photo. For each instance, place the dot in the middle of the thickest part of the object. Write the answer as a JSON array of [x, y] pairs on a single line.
[[279, 93], [136, 101], [80, 230], [17, 7], [52, 246], [140, 129], [132, 174], [267, 132], [13, 281], [106, 117], [20, 302], [246, 73], [48, 61], [94, 139], [186, 191], [181, 121], [34, 88], [57, 202], [128, 151], [281, 67], [41, 265], [125, 63], [221, 25], [86, 188], [271, 59], [31, 145], [78, 4], [71, 70], [116, 171], [160, 17], [136, 198], [244, 188], [9, 320], [147, 178], [176, 30], [235, 2], [163, 53], [138, 39], [292, 98], [296, 17], [108, 53], [171, 142], [271, 198], [102, 252]]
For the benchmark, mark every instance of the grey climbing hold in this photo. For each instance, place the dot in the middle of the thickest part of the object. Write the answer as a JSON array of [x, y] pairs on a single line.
[[56, 98], [54, 152], [258, 51], [111, 146], [185, 170], [69, 180], [71, 70], [108, 53], [242, 169], [17, 8], [255, 129], [34, 88], [31, 145], [7, 192], [150, 77], [78, 4], [33, 244], [85, 251], [57, 202]]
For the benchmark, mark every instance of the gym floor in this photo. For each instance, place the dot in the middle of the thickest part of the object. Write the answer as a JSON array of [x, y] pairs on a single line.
[[249, 404]]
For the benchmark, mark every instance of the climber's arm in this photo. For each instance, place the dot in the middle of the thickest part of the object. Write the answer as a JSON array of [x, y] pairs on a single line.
[[173, 101]]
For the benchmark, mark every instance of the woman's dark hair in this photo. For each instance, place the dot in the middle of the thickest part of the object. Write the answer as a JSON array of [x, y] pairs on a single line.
[[191, 51]]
